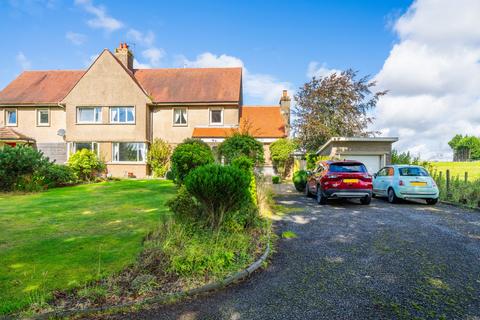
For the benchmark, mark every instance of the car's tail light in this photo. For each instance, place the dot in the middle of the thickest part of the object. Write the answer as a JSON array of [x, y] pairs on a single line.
[[400, 183]]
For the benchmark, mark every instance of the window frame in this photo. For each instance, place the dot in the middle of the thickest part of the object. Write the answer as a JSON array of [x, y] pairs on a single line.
[[94, 109], [40, 124], [116, 145], [121, 107], [93, 143], [186, 117], [221, 115], [7, 124]]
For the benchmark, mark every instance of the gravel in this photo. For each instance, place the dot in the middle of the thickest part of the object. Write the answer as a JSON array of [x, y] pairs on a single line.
[[350, 261]]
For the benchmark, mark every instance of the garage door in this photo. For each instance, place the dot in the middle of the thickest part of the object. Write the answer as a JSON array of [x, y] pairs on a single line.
[[373, 163]]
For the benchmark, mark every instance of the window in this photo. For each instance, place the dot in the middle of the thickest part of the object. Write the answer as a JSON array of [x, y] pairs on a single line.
[[122, 115], [180, 117], [11, 117], [413, 172], [92, 146], [89, 115], [43, 117], [348, 167], [129, 152], [216, 116], [382, 172]]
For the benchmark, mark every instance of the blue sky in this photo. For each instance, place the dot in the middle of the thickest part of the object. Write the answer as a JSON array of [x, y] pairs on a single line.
[[275, 40]]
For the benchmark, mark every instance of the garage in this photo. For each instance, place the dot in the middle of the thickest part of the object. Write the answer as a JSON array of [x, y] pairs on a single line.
[[374, 152]]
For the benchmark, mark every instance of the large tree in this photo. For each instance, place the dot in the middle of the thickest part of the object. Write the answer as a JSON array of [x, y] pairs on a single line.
[[334, 105]]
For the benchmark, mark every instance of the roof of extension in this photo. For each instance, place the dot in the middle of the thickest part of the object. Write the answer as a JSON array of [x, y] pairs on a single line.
[[260, 121], [8, 134]]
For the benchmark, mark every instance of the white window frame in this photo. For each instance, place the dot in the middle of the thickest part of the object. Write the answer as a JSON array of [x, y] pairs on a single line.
[[99, 120], [118, 110], [210, 116], [186, 117], [116, 153], [74, 146], [8, 124], [39, 112]]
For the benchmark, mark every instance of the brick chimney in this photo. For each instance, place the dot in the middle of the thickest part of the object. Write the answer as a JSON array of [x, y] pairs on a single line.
[[285, 110], [124, 55]]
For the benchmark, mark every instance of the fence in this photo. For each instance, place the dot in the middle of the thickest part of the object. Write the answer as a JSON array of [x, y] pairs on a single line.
[[458, 189]]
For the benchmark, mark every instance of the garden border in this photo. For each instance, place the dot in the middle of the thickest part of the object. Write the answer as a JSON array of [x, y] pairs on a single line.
[[240, 275], [459, 205]]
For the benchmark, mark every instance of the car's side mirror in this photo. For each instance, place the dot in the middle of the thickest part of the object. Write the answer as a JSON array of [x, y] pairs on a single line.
[[374, 175]]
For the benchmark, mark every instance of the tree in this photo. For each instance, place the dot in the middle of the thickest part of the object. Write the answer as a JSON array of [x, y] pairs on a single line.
[[158, 157], [241, 145], [465, 148], [335, 105], [281, 154]]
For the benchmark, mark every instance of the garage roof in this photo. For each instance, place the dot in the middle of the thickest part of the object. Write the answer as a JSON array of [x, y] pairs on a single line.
[[357, 139]]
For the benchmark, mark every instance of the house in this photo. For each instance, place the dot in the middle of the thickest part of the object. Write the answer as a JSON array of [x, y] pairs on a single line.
[[374, 152], [117, 111]]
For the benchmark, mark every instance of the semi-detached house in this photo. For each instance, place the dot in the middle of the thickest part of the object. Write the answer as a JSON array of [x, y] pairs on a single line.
[[117, 111]]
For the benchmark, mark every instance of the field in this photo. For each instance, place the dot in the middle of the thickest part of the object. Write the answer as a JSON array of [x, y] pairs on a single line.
[[458, 169], [65, 237]]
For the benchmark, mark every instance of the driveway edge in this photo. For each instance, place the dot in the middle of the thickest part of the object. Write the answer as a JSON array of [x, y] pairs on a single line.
[[458, 205]]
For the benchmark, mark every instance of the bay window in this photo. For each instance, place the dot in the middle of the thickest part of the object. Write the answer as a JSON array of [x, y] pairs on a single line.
[[89, 114], [129, 152], [122, 115]]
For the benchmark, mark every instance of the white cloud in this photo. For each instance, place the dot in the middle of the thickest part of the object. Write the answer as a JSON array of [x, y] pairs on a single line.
[[263, 88], [88, 62], [319, 71], [139, 65], [76, 38], [145, 39], [101, 19], [433, 77], [153, 55], [23, 61]]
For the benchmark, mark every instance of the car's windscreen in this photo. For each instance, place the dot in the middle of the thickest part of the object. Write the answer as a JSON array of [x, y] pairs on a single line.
[[348, 167], [413, 172]]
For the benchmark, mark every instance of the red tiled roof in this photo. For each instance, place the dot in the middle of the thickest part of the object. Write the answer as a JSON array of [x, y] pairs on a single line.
[[259, 121], [40, 87], [191, 85], [10, 134]]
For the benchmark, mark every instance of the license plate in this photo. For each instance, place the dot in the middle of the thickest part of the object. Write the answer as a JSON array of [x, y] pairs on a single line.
[[418, 184], [350, 180]]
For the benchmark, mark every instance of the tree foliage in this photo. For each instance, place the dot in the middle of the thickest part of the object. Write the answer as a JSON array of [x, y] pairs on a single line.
[[465, 148], [158, 157], [188, 155], [241, 145], [334, 105], [281, 154]]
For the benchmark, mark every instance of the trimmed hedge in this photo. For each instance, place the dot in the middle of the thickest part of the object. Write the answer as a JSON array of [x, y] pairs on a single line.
[[300, 180]]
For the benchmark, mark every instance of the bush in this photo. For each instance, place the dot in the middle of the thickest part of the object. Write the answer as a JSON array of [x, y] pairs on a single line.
[[241, 145], [170, 175], [312, 159], [220, 190], [17, 168], [189, 155], [300, 180], [85, 164], [281, 155], [158, 157], [186, 207], [246, 164], [56, 175], [275, 179]]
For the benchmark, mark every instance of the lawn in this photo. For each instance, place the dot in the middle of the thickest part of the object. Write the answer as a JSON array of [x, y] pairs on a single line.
[[65, 237], [458, 169]]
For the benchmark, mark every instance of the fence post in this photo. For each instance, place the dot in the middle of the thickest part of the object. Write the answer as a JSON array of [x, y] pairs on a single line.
[[466, 176], [440, 176], [448, 183]]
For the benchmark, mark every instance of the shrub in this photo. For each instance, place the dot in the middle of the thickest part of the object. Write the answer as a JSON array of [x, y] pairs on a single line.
[[186, 207], [17, 168], [220, 190], [275, 179], [170, 175], [86, 164], [189, 155], [246, 164], [241, 145], [312, 159], [300, 180], [158, 157], [56, 175], [281, 155]]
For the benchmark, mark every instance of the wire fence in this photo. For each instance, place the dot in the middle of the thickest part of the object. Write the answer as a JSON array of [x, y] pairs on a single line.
[[458, 189]]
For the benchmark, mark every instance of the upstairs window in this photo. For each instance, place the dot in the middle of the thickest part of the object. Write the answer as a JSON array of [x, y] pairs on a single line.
[[179, 117], [122, 115], [89, 115], [43, 117], [216, 117], [129, 152], [11, 117]]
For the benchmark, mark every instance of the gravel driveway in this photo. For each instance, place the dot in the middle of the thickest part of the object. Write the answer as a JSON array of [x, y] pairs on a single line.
[[355, 262]]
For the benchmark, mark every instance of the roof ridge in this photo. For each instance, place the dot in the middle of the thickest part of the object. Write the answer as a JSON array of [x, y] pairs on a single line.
[[207, 68]]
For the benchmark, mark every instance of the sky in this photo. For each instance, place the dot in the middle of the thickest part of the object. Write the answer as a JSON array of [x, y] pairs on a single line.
[[425, 52]]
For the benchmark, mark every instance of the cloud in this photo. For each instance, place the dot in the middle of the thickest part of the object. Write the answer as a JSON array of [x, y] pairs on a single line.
[[76, 38], [23, 61], [139, 65], [101, 20], [153, 55], [433, 76], [319, 71], [146, 39], [259, 87]]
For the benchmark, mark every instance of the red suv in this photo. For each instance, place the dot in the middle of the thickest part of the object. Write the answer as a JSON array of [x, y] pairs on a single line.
[[340, 179]]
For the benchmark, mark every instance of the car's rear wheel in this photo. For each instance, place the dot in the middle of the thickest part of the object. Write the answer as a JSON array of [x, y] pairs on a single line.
[[432, 201], [366, 200], [321, 199], [392, 197]]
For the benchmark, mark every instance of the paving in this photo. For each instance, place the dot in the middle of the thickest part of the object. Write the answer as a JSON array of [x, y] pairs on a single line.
[[349, 261]]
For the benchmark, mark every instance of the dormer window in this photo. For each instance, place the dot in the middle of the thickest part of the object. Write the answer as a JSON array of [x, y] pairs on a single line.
[[216, 116]]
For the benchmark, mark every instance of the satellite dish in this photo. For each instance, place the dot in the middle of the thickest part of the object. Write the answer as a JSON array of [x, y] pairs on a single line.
[[61, 132]]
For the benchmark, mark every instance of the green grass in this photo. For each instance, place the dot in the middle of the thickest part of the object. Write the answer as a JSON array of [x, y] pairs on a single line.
[[65, 237], [458, 169]]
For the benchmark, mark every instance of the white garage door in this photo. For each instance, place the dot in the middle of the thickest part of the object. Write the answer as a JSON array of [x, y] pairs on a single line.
[[373, 163]]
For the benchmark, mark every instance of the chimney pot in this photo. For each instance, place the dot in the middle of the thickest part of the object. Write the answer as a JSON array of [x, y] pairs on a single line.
[[124, 55]]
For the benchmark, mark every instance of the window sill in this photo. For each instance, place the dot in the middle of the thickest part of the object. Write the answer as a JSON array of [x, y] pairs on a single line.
[[11, 125], [180, 125], [128, 162], [81, 123], [123, 123], [43, 125]]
